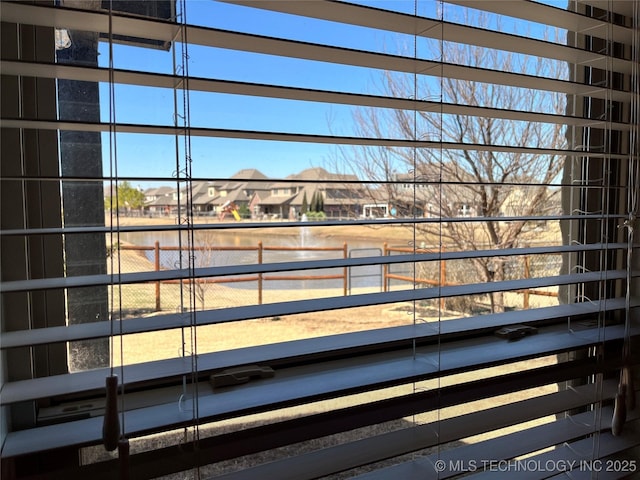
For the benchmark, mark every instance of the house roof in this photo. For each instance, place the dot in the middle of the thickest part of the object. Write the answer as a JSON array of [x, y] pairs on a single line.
[[261, 195], [276, 199], [327, 179], [329, 198], [155, 191], [256, 186], [237, 195], [249, 174], [319, 173], [162, 201], [245, 183]]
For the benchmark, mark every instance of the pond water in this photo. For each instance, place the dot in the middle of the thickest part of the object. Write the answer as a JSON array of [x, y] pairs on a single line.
[[247, 253]]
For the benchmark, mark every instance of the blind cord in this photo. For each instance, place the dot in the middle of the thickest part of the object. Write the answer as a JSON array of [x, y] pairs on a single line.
[[625, 398], [113, 428]]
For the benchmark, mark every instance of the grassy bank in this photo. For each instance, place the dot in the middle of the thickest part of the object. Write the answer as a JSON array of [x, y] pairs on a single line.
[[393, 234]]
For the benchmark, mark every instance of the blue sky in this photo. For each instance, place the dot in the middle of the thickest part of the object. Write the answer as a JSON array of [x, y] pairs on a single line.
[[154, 155]]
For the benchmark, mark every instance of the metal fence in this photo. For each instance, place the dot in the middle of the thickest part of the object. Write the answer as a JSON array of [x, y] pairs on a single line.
[[166, 295], [147, 297], [440, 273]]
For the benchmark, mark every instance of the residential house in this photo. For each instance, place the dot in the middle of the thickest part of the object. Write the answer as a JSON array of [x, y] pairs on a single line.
[[450, 191], [158, 200], [343, 195], [203, 197], [239, 189], [277, 203], [207, 197], [434, 191]]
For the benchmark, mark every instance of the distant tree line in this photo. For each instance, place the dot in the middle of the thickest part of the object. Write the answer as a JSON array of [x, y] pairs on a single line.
[[125, 196]]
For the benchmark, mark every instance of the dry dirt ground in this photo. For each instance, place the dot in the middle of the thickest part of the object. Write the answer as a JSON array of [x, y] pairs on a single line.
[[156, 345], [140, 300]]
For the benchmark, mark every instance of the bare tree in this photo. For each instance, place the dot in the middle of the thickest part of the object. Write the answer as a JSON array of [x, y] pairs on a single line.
[[452, 182], [205, 256]]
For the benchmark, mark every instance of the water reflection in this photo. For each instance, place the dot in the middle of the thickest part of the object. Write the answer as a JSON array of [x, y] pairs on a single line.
[[216, 248]]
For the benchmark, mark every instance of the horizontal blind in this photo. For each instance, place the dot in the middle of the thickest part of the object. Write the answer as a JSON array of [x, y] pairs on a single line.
[[354, 203]]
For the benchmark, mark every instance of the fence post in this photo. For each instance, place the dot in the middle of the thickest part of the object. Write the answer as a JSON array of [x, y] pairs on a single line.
[[385, 270], [527, 274], [260, 274], [157, 269], [344, 280]]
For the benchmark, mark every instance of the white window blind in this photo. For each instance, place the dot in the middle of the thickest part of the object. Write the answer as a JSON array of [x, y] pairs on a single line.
[[320, 239]]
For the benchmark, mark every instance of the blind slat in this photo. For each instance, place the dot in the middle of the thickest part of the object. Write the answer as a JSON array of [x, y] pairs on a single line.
[[71, 72], [294, 137], [255, 268], [288, 224], [336, 379], [307, 51], [380, 19], [209, 317], [558, 17], [165, 31], [376, 338], [502, 448], [370, 450], [570, 455], [489, 352]]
